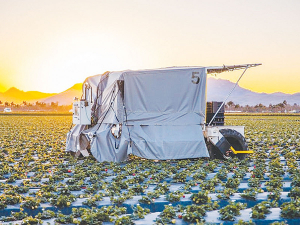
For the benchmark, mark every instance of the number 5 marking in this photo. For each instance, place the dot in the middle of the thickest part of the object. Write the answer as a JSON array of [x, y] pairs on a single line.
[[195, 78]]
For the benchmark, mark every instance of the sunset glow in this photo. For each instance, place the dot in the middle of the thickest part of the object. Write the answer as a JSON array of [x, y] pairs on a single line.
[[49, 46]]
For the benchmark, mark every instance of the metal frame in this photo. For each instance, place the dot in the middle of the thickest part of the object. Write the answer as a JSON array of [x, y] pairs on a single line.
[[224, 68]]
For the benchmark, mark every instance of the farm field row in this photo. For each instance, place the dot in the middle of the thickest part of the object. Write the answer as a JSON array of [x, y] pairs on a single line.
[[40, 183]]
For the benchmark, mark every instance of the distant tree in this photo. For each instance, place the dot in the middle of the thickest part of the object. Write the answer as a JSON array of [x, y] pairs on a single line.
[[272, 107], [281, 106], [24, 103], [230, 103], [12, 104], [6, 103], [284, 102], [54, 104], [237, 106], [259, 107], [248, 108]]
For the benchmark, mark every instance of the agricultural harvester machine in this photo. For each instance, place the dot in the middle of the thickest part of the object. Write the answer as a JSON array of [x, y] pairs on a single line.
[[155, 114]]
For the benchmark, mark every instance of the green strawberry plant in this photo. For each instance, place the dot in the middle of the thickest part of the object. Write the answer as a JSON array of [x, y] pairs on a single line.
[[226, 193], [260, 210], [167, 215], [139, 212], [232, 183], [174, 196], [249, 193], [201, 197], [290, 210], [232, 210]]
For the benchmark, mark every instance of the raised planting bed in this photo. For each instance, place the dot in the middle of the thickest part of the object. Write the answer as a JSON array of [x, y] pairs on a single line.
[[39, 183]]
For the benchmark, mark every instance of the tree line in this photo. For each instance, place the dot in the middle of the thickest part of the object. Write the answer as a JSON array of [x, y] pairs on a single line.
[[37, 106], [230, 106], [281, 107]]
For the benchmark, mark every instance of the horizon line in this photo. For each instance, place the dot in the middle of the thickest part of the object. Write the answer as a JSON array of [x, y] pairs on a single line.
[[276, 92]]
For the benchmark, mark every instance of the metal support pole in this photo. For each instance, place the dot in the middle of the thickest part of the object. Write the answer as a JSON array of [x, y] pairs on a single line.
[[227, 96]]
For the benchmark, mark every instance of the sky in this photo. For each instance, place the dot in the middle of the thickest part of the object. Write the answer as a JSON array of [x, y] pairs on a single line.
[[49, 46]]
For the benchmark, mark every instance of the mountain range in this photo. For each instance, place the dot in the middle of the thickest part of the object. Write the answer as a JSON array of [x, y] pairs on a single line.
[[64, 98], [217, 90], [17, 96]]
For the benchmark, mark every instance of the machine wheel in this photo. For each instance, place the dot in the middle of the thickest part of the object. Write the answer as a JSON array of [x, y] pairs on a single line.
[[214, 153], [236, 140]]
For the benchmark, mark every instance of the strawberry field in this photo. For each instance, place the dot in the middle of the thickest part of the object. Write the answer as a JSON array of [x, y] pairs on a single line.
[[39, 183]]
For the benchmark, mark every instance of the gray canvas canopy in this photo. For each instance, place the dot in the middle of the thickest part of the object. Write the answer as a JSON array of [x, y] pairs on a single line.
[[160, 113]]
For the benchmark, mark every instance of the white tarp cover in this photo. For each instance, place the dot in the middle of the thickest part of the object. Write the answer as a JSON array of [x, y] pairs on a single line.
[[74, 139], [161, 111], [168, 142], [165, 97]]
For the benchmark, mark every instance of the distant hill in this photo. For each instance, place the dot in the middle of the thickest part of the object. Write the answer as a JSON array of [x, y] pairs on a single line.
[[17, 96], [66, 97], [218, 89]]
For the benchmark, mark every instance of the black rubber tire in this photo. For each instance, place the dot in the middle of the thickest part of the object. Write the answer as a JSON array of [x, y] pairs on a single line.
[[237, 141], [214, 153]]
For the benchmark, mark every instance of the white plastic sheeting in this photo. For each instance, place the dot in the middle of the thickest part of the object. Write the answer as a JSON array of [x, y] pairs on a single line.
[[168, 142], [75, 141], [105, 147], [161, 112], [165, 97]]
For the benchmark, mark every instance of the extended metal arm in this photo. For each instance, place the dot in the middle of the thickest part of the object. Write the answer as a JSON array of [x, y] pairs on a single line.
[[224, 68], [228, 96]]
